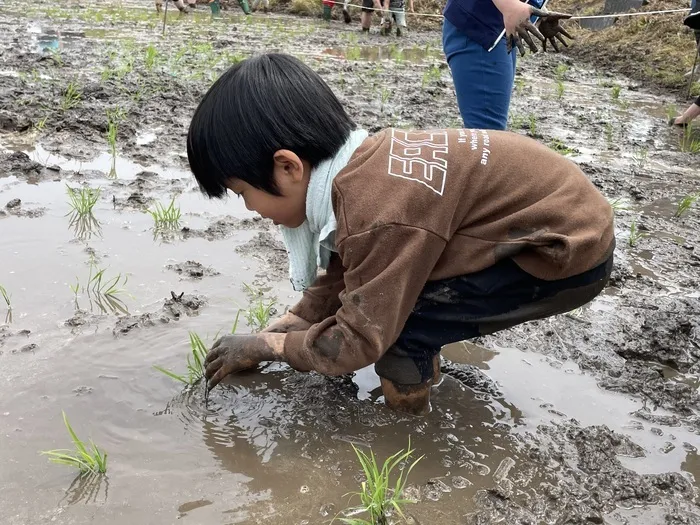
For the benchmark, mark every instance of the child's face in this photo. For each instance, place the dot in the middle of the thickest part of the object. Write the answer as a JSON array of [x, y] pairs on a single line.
[[292, 178]]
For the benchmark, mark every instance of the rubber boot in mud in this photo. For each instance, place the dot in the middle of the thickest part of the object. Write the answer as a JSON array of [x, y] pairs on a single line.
[[327, 13], [346, 16], [386, 27], [215, 7], [244, 6], [398, 30]]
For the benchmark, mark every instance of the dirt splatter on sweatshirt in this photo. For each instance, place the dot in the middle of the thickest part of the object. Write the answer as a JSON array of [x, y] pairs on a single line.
[[416, 206]]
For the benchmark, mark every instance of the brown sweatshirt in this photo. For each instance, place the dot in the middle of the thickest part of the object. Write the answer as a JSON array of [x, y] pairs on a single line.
[[416, 206]]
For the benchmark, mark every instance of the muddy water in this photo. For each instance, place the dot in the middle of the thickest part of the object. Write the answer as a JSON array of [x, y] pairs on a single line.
[[591, 417]]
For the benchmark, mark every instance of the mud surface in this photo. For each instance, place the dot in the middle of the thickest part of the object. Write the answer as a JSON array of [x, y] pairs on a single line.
[[588, 417]]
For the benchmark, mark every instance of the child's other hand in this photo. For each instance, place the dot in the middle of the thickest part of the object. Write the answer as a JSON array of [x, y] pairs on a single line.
[[288, 323], [231, 354]]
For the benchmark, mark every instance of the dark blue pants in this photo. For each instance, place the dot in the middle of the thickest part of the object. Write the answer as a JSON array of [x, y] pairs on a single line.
[[483, 81], [480, 303]]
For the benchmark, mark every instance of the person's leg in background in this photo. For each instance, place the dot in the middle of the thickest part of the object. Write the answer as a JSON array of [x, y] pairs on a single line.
[[483, 81], [346, 14], [367, 13]]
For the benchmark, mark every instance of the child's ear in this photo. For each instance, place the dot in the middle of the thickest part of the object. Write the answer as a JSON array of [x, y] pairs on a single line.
[[289, 164]]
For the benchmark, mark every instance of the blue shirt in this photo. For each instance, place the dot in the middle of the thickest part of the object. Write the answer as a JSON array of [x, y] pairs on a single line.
[[480, 20]]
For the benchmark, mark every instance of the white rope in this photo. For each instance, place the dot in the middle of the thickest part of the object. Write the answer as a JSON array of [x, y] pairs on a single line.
[[587, 17]]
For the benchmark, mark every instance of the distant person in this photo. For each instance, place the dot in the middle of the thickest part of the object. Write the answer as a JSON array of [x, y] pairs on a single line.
[[478, 37], [394, 10], [693, 111], [265, 4], [426, 237]]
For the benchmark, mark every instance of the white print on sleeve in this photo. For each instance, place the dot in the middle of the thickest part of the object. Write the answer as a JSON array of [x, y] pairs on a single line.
[[471, 136], [420, 156]]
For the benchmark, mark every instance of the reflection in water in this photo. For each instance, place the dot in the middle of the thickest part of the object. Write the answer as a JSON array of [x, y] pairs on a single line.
[[84, 226], [87, 489]]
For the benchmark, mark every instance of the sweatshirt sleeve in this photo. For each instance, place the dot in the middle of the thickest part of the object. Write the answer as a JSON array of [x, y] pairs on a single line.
[[386, 269], [321, 299]]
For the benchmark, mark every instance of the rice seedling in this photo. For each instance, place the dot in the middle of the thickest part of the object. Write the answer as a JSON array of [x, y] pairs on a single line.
[[82, 200], [384, 95], [609, 130], [560, 89], [561, 148], [353, 53], [671, 112], [86, 457], [639, 158], [532, 125], [195, 362], [165, 218], [517, 121], [615, 92], [619, 204], [103, 292], [71, 97], [560, 71], [686, 203], [690, 141], [6, 297], [379, 495], [259, 310], [432, 74], [40, 124], [84, 226], [151, 57], [635, 234], [519, 85]]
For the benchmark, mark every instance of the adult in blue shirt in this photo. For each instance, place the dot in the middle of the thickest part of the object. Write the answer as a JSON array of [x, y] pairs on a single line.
[[478, 39]]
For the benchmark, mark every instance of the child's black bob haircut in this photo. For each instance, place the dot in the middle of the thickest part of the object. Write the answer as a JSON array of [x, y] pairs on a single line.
[[264, 104]]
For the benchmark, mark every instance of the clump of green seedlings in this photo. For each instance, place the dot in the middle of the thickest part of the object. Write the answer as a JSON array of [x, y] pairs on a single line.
[[260, 309], [353, 53], [532, 125], [519, 85], [165, 218], [636, 234], [517, 121], [71, 96], [82, 200], [151, 57], [686, 203], [384, 95], [690, 143], [615, 92], [609, 131], [379, 495], [86, 457], [559, 73], [639, 158], [433, 74], [103, 292], [561, 148]]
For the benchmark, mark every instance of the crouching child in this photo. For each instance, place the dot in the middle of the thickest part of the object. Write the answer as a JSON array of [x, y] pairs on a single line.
[[426, 237]]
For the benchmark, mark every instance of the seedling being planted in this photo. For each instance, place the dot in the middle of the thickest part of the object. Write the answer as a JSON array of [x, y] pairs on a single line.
[[195, 359], [635, 234], [686, 203], [165, 218], [379, 495], [690, 143], [89, 460]]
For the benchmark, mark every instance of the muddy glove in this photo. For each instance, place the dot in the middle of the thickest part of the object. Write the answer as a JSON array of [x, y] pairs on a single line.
[[552, 31], [231, 354], [525, 30]]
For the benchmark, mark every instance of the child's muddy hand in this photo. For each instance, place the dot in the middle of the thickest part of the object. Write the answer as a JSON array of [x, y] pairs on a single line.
[[552, 31], [231, 354], [289, 322]]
